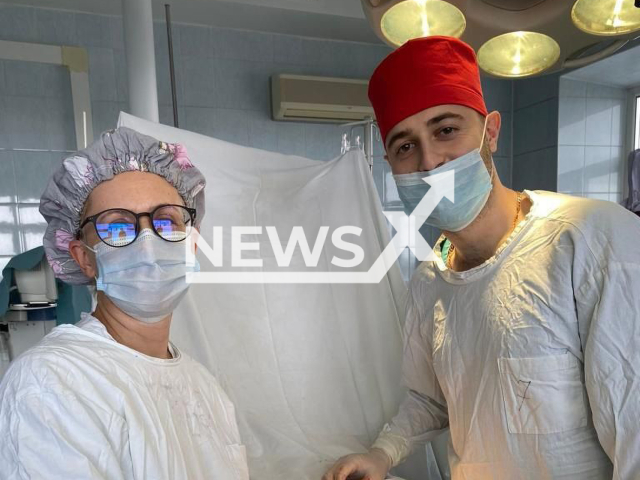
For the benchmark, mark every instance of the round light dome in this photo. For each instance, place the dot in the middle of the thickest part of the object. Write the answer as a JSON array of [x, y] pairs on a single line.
[[421, 18], [606, 17], [518, 54]]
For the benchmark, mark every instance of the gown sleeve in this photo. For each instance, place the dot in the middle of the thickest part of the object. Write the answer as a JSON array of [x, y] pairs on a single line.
[[46, 434], [423, 414], [609, 313], [607, 296]]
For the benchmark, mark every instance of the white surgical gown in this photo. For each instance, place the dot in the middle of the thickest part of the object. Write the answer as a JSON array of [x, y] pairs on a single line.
[[532, 358], [81, 406]]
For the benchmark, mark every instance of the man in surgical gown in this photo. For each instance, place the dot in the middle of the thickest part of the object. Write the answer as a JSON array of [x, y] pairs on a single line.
[[523, 334], [111, 397]]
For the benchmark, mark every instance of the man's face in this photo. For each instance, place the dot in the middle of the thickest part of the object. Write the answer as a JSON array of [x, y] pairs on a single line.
[[438, 135]]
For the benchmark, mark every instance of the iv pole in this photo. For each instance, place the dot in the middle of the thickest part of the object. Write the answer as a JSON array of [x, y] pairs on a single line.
[[369, 125]]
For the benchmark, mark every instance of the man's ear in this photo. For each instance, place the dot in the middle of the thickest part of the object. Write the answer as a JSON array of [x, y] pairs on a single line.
[[83, 257], [494, 122]]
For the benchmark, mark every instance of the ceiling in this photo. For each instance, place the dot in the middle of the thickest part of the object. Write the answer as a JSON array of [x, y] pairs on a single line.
[[345, 20], [329, 19], [626, 66], [487, 19]]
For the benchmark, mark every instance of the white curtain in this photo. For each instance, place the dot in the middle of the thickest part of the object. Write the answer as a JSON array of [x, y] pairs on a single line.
[[314, 369]]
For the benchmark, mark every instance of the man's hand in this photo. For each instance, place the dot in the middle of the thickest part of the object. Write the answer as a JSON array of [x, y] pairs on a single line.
[[366, 466]]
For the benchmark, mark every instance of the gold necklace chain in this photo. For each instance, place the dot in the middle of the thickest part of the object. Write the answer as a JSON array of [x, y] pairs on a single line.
[[513, 227]]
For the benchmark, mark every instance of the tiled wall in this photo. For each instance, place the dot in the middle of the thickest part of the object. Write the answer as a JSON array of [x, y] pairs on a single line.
[[223, 91], [535, 133], [591, 139], [36, 129]]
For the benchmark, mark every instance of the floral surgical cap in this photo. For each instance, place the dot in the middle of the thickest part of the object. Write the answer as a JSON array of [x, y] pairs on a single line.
[[117, 151]]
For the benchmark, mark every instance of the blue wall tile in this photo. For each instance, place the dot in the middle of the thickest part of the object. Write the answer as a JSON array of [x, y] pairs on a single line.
[[572, 121], [105, 116], [535, 90], [598, 121], [263, 132], [536, 170], [18, 24], [572, 88], [93, 30], [120, 66], [497, 94], [503, 167], [194, 41], [242, 85], [3, 90], [116, 30], [163, 79], [102, 74], [536, 127], [61, 134], [288, 49], [7, 178], [199, 82], [32, 226], [166, 115], [322, 141], [571, 168], [56, 27], [161, 41], [9, 230], [24, 78], [23, 123], [505, 137], [597, 169], [231, 126], [32, 171], [243, 45], [199, 120], [291, 140], [57, 82]]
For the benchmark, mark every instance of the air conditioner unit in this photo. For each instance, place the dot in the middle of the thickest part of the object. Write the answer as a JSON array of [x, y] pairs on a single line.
[[319, 99]]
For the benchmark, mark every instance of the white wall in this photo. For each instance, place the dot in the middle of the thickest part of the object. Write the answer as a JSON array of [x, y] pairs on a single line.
[[591, 139]]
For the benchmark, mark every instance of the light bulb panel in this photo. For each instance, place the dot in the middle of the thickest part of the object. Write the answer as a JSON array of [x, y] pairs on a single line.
[[421, 18], [518, 54]]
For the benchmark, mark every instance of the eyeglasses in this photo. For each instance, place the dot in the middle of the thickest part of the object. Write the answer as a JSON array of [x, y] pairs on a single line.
[[118, 227]]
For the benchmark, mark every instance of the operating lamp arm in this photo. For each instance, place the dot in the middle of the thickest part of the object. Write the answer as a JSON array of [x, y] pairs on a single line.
[[610, 50]]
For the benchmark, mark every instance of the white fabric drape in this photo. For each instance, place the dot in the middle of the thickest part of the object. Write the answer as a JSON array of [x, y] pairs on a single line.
[[314, 369]]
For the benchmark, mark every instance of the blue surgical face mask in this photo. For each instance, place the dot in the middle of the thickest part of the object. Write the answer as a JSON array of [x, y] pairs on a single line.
[[146, 279], [472, 185]]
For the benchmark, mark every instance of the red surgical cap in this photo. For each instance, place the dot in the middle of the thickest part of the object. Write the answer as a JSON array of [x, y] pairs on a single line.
[[423, 73]]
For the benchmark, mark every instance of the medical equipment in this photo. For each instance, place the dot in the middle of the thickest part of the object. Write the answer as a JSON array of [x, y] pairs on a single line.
[[632, 202], [365, 145], [31, 315]]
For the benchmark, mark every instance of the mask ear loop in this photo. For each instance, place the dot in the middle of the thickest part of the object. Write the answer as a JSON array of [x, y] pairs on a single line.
[[94, 250], [484, 134]]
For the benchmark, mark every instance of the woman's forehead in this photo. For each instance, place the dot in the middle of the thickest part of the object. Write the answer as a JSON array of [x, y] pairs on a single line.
[[135, 191]]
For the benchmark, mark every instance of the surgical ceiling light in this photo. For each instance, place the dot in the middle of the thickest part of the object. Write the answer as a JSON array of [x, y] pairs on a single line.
[[518, 54], [421, 18], [606, 17]]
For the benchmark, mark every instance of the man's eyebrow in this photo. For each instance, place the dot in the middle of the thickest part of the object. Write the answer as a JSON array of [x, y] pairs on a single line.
[[396, 136], [444, 116]]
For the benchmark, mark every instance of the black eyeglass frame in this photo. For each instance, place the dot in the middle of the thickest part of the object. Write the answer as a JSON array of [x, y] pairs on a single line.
[[92, 219]]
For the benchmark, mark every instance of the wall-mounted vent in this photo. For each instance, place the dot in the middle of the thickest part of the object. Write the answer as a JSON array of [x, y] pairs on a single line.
[[319, 99]]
